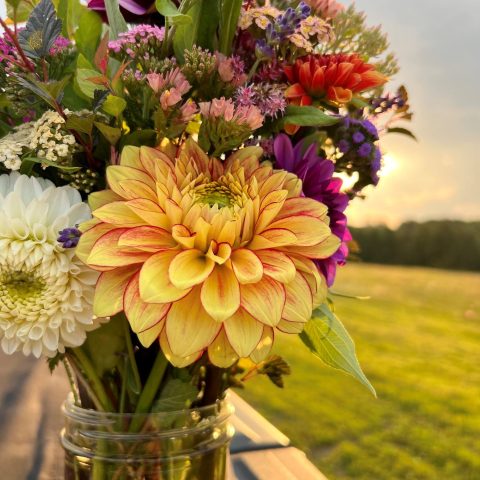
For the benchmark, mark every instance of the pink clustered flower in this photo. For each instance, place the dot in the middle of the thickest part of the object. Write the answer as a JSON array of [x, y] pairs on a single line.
[[171, 87], [231, 69], [326, 8], [139, 35], [226, 109], [59, 45]]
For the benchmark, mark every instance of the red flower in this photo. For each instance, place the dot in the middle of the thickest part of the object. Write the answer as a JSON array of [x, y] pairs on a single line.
[[330, 77]]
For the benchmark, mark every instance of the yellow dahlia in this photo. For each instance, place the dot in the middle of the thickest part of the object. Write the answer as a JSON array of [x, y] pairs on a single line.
[[205, 254]]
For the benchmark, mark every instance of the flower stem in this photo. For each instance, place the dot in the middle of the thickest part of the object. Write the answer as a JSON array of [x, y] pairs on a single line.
[[71, 380], [93, 379], [150, 389]]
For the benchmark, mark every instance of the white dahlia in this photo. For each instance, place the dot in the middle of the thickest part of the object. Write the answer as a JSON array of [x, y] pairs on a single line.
[[46, 292]]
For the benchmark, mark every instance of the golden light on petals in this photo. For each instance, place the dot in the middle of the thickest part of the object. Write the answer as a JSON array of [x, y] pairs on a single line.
[[207, 255]]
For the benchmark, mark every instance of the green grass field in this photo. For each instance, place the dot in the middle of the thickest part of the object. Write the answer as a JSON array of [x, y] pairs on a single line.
[[418, 340]]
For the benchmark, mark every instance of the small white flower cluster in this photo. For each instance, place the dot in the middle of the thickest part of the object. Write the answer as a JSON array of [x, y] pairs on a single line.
[[12, 146], [49, 138]]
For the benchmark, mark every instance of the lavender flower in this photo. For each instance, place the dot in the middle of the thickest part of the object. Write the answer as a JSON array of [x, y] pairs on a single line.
[[69, 237], [270, 99]]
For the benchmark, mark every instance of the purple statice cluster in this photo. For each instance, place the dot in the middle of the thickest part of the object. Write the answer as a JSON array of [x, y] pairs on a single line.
[[389, 102], [280, 29], [69, 237], [270, 99], [318, 183], [356, 140]]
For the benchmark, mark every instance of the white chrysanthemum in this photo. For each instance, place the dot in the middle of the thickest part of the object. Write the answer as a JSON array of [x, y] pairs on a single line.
[[46, 292]]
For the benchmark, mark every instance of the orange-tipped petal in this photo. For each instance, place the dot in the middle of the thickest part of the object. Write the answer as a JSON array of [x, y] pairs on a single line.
[[155, 285], [219, 252], [117, 174], [189, 328], [243, 332], [277, 265], [308, 231], [101, 198], [147, 337], [264, 300], [221, 353], [299, 301], [147, 238], [119, 214], [291, 327], [295, 91], [303, 206], [221, 294], [175, 360], [322, 250], [183, 236], [189, 268], [89, 238], [246, 266], [109, 291], [273, 238], [339, 94], [142, 316]]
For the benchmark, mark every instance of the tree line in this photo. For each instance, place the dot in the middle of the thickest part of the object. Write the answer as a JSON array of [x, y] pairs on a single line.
[[448, 244]]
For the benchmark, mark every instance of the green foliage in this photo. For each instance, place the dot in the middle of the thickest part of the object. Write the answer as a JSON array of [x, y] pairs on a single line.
[[307, 117], [168, 9], [352, 34], [42, 29], [114, 105], [327, 338], [88, 34], [175, 395], [418, 339], [275, 368], [84, 78], [229, 15], [115, 19], [440, 244], [402, 131], [111, 134]]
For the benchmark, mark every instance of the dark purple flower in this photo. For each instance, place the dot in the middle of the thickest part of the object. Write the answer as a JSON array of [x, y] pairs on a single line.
[[358, 137], [343, 146], [69, 237], [365, 149], [376, 166], [316, 174], [370, 128]]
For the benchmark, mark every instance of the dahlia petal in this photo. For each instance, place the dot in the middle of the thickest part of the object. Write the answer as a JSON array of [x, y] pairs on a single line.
[[142, 316], [295, 91], [147, 238], [118, 173], [89, 238], [243, 332], [221, 353], [369, 80], [264, 346], [299, 302], [189, 328], [151, 158], [147, 337], [277, 265], [273, 238], [155, 285], [99, 199], [189, 268], [290, 327], [133, 189], [272, 183], [308, 230], [303, 206], [345, 69], [247, 266], [175, 360], [318, 82], [106, 252], [183, 236], [110, 289], [264, 300], [131, 157], [271, 205], [149, 212], [324, 249], [219, 253], [119, 214], [220, 294]]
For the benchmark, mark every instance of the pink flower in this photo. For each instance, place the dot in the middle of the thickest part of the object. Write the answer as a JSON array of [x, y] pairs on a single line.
[[188, 111], [231, 69], [242, 115], [172, 86], [326, 8]]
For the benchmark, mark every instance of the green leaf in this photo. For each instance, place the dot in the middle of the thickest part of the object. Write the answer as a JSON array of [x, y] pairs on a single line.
[[42, 29], [229, 14], [87, 36], [99, 97], [402, 131], [86, 86], [139, 138], [176, 395], [114, 105], [115, 19], [111, 134], [50, 163], [308, 117], [82, 124], [168, 9], [209, 18], [48, 92], [328, 339]]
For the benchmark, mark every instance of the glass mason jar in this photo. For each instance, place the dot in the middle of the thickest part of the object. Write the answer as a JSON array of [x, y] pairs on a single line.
[[183, 445]]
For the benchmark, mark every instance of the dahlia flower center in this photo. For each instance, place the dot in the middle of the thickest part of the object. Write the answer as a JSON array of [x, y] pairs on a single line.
[[216, 193], [22, 285]]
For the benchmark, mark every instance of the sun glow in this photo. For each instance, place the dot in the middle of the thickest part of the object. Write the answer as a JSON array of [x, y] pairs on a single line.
[[389, 165]]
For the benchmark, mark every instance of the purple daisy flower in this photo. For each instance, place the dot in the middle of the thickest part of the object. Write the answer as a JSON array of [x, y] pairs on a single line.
[[69, 237], [316, 174]]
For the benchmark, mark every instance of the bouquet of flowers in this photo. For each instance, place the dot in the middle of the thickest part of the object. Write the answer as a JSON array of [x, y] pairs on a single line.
[[172, 193]]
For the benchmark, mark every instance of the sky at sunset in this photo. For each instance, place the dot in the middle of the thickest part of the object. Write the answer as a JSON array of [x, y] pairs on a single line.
[[437, 43]]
